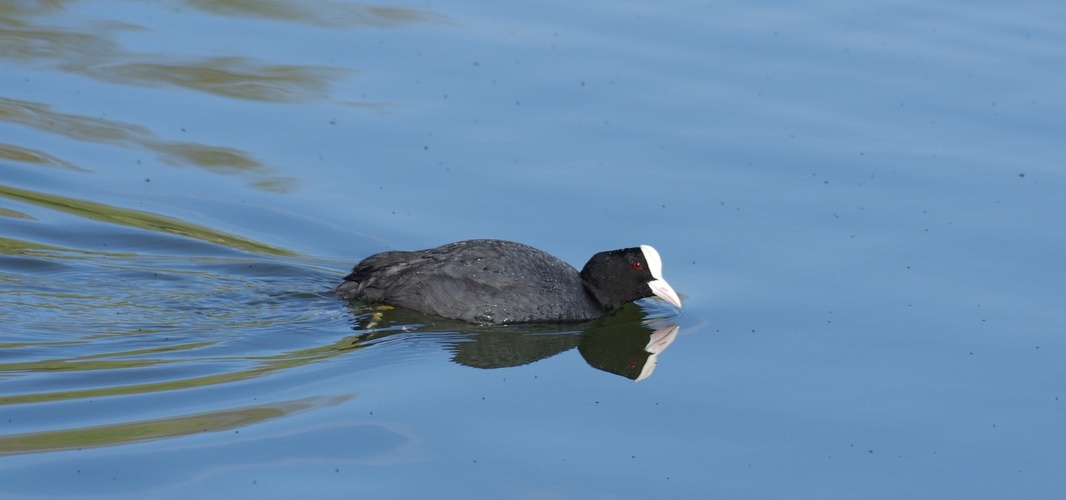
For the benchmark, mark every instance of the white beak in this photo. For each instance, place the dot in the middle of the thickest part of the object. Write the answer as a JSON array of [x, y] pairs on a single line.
[[663, 290], [659, 286]]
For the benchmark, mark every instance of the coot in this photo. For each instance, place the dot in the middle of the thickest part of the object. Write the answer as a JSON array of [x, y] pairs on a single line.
[[497, 282]]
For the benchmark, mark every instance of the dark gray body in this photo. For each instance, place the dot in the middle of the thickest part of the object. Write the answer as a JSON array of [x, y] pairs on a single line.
[[478, 281]]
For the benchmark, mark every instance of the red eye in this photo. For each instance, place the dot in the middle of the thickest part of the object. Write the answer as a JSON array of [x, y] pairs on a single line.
[[637, 266]]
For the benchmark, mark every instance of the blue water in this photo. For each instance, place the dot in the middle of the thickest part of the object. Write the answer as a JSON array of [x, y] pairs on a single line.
[[860, 205]]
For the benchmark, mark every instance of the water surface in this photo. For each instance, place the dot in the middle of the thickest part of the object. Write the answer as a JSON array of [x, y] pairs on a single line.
[[859, 204]]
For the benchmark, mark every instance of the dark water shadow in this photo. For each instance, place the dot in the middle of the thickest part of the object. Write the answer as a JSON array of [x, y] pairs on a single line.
[[626, 343]]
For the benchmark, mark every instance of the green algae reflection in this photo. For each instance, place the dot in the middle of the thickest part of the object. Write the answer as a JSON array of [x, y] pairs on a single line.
[[216, 159], [91, 50], [137, 219], [149, 430], [263, 366], [323, 13], [29, 155]]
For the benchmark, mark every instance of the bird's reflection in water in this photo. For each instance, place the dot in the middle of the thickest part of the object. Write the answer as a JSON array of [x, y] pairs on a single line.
[[625, 343]]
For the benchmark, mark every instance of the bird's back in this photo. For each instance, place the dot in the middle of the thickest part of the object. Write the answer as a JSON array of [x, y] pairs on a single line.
[[480, 281]]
